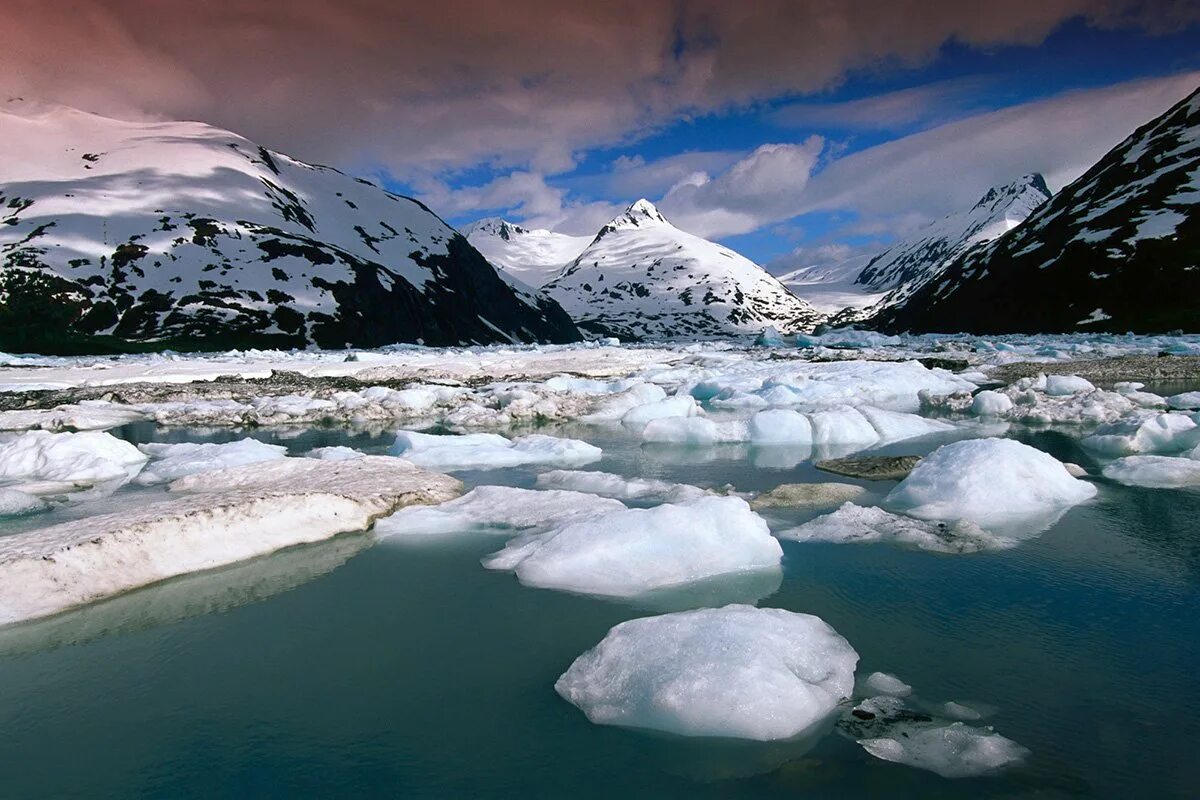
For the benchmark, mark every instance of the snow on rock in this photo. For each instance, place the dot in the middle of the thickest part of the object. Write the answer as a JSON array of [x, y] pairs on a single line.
[[886, 729], [860, 524], [497, 509], [737, 671], [988, 482], [608, 485], [68, 458], [14, 503], [231, 515], [171, 461], [629, 552], [808, 495], [490, 450], [1145, 432], [1155, 472]]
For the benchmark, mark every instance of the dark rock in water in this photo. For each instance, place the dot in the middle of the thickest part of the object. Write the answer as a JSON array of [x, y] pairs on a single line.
[[871, 468], [951, 364], [863, 714]]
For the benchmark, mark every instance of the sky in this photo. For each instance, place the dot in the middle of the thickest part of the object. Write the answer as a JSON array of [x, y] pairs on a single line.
[[795, 131]]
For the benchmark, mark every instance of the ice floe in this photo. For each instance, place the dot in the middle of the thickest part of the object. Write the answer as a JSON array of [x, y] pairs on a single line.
[[887, 729], [73, 460], [989, 482], [497, 509], [171, 461], [737, 671], [629, 552], [853, 524], [606, 484], [1146, 432], [1185, 400], [886, 683], [1155, 472], [232, 515], [490, 450], [335, 453]]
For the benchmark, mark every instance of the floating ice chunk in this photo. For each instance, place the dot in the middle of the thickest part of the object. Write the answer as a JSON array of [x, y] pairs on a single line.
[[1186, 400], [852, 524], [694, 431], [896, 426], [1155, 472], [884, 683], [1145, 433], [173, 461], [667, 408], [842, 425], [238, 513], [808, 495], [989, 403], [606, 484], [72, 458], [769, 337], [628, 552], [737, 672], [490, 450], [613, 408], [497, 509], [958, 711], [1132, 391], [780, 426], [1062, 385], [888, 730], [989, 482], [15, 503], [336, 453]]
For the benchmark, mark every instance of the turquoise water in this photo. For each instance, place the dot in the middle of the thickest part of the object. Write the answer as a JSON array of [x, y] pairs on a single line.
[[400, 669]]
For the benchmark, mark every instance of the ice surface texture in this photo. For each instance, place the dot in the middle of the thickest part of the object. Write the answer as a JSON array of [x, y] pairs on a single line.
[[737, 671]]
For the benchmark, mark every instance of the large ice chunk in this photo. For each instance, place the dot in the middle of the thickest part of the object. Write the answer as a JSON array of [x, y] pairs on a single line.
[[693, 431], [1145, 433], [842, 425], [1063, 385], [989, 482], [1186, 400], [497, 509], [233, 515], [629, 552], [780, 426], [667, 408], [173, 461], [70, 458], [855, 524], [490, 450], [606, 484], [737, 671], [1155, 472]]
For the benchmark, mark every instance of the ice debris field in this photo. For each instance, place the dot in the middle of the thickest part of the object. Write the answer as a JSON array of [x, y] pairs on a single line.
[[120, 473]]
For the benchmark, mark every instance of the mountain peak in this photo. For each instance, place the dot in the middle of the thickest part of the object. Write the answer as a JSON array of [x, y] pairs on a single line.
[[1031, 183], [640, 213]]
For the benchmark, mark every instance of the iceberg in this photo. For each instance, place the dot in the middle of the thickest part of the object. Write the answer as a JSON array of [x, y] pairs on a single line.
[[497, 509], [606, 484], [230, 515], [75, 459], [1155, 472], [490, 450], [738, 671], [629, 552], [988, 482], [171, 461]]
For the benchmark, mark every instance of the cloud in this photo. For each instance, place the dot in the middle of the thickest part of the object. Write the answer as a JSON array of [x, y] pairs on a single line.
[[525, 84], [920, 105]]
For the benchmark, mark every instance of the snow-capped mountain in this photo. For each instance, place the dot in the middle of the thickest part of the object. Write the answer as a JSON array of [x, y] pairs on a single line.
[[907, 264], [533, 257], [185, 235], [642, 277], [1116, 250]]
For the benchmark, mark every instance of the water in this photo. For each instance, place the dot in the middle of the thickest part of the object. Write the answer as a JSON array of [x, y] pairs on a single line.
[[401, 669]]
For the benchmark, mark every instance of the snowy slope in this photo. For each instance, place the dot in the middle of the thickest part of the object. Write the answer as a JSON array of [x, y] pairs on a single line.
[[642, 277], [831, 286], [910, 263], [1117, 250], [533, 257], [184, 234]]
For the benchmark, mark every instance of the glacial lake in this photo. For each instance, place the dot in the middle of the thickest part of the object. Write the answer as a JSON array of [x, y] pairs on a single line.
[[403, 668]]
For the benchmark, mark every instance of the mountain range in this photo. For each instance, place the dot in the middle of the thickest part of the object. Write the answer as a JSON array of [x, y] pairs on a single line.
[[129, 235]]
